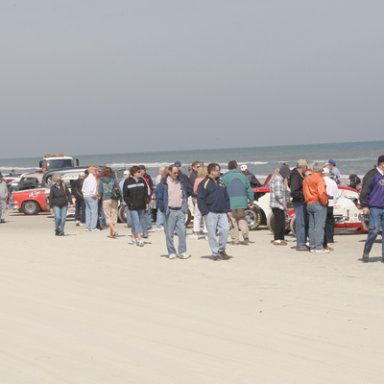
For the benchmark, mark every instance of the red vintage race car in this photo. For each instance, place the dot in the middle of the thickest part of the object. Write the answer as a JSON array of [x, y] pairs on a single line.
[[30, 201]]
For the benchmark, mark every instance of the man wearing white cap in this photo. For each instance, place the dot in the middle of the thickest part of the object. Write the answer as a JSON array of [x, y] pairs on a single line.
[[250, 176]]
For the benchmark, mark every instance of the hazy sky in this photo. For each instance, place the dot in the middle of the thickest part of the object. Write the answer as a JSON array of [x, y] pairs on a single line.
[[93, 76]]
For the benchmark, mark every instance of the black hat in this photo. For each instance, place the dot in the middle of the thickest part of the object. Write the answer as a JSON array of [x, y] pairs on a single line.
[[285, 171], [380, 159]]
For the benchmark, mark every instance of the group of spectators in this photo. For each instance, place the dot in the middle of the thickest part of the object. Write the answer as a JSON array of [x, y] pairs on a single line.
[[219, 201], [314, 192]]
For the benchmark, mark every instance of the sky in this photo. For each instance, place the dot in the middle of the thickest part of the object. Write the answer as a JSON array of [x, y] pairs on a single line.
[[118, 76]]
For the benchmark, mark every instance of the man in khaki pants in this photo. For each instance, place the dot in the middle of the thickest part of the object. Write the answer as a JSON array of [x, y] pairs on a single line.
[[241, 197]]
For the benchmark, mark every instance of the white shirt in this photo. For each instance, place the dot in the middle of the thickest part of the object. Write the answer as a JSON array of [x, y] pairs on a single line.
[[332, 190], [89, 188]]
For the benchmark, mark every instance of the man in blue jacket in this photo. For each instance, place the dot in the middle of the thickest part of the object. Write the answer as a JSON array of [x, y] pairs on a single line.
[[172, 199], [372, 201], [213, 202]]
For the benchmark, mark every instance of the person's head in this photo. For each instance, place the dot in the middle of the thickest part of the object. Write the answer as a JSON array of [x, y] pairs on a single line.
[[213, 170], [135, 171], [195, 165], [326, 172], [143, 169], [82, 175], [380, 162], [126, 173], [173, 172], [202, 171], [331, 164], [317, 167], [244, 168], [162, 171], [232, 164], [177, 164], [56, 178], [284, 171], [107, 172], [92, 170], [302, 166]]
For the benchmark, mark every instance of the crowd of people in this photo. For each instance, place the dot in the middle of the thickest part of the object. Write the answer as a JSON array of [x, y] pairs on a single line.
[[219, 202]]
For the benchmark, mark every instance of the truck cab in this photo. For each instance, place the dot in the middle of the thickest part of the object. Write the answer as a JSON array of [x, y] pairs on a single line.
[[57, 161]]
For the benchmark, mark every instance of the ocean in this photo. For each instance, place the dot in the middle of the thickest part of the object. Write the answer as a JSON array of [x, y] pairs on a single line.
[[356, 157]]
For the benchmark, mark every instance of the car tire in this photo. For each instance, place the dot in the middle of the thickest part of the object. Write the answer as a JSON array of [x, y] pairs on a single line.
[[30, 207], [253, 218], [121, 214], [188, 218]]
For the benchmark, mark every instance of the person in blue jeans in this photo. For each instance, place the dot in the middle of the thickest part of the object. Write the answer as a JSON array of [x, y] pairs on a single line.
[[372, 201], [172, 199], [213, 202], [59, 199], [135, 194], [301, 215]]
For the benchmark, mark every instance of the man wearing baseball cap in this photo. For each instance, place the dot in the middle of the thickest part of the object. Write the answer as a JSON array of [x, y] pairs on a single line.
[[372, 201], [331, 165]]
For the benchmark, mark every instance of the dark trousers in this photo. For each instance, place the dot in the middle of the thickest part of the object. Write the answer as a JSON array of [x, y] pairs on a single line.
[[329, 227], [279, 223], [80, 210]]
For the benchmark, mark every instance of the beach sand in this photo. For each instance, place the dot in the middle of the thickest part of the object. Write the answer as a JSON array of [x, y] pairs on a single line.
[[86, 309]]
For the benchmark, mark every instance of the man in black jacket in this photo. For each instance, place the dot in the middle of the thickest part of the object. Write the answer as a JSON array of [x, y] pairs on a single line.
[[76, 186], [301, 221], [213, 202]]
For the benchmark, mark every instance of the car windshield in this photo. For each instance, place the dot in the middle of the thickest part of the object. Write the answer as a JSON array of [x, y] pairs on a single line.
[[59, 163]]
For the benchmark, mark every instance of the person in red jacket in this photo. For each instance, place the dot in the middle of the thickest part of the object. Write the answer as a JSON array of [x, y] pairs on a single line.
[[315, 196]]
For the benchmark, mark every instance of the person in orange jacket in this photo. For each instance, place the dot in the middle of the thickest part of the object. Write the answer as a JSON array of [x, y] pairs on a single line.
[[315, 196]]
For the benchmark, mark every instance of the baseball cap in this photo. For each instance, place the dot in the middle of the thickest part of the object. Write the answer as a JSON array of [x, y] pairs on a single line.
[[332, 162], [380, 159], [178, 163], [302, 163], [243, 167]]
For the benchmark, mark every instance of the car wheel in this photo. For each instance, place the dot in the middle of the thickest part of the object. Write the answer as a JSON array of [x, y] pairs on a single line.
[[121, 215], [188, 218], [30, 207], [253, 218]]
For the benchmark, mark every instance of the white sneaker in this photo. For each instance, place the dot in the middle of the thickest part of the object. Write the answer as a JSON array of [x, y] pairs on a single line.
[[172, 256], [184, 255], [77, 223], [95, 230], [194, 236], [322, 250], [132, 242], [140, 243]]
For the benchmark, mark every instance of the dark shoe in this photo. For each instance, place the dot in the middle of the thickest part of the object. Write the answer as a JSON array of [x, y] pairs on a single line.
[[365, 258], [302, 249], [2, 221], [224, 255], [215, 258]]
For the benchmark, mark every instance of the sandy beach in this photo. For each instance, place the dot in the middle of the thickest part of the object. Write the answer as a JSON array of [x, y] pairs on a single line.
[[86, 309]]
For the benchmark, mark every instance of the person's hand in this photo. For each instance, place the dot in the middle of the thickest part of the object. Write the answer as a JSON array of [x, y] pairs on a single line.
[[366, 211], [251, 205], [229, 215]]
